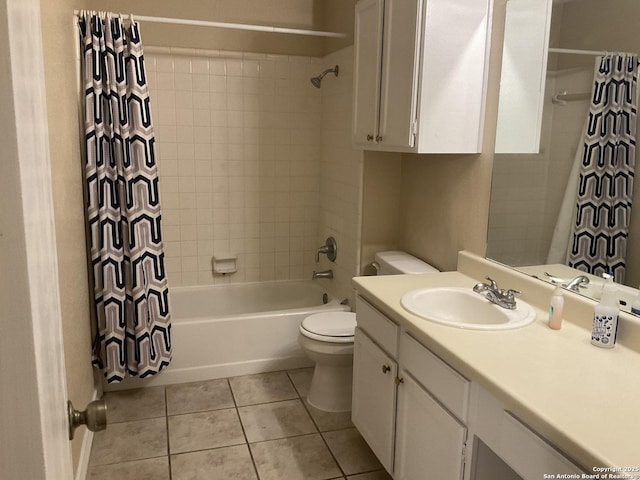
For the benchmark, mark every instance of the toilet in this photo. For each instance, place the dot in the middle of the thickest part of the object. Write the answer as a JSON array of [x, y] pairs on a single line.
[[327, 339]]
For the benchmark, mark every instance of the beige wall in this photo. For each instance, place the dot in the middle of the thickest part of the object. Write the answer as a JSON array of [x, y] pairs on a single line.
[[381, 205], [590, 25], [302, 14], [339, 16], [66, 167]]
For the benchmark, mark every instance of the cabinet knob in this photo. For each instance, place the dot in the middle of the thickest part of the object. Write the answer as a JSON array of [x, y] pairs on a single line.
[[385, 368], [379, 138], [399, 380], [369, 137]]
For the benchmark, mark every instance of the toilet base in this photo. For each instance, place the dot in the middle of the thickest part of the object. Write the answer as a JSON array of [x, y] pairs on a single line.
[[330, 389]]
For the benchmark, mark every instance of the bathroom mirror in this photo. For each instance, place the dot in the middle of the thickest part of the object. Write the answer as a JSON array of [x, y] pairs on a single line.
[[528, 188]]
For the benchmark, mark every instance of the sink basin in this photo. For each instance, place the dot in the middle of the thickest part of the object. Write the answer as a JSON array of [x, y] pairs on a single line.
[[463, 308]]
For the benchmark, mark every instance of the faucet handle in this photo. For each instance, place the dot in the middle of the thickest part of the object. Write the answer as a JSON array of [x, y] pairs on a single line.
[[511, 293], [330, 249], [493, 283]]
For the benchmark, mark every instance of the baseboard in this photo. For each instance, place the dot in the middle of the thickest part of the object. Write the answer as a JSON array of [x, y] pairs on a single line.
[[85, 450]]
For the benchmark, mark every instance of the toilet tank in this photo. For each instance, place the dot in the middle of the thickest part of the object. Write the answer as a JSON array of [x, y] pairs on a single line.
[[395, 262]]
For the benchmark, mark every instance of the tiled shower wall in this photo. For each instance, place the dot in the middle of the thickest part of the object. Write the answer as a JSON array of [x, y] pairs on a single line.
[[340, 175], [238, 137]]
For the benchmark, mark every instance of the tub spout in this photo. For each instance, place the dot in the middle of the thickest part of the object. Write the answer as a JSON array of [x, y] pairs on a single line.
[[324, 274]]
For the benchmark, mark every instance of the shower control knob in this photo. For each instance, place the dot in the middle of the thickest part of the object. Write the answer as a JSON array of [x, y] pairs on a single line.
[[385, 368], [369, 137]]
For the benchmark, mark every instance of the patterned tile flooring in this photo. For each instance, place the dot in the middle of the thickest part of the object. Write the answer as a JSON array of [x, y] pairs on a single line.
[[255, 427]]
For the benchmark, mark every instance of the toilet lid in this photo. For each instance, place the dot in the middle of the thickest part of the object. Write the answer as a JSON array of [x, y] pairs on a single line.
[[338, 326]]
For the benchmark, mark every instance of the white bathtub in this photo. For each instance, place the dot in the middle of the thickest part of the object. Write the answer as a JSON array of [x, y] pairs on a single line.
[[236, 329]]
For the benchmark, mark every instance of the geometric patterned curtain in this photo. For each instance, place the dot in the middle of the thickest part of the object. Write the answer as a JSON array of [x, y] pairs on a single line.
[[133, 330], [601, 228]]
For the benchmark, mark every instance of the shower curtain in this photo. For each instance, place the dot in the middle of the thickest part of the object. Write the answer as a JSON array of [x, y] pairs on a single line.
[[133, 323], [605, 185]]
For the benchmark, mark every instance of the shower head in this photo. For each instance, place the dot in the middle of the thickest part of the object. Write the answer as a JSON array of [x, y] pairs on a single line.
[[316, 81]]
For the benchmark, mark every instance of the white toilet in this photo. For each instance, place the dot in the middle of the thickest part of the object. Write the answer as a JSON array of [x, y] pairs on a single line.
[[327, 339]]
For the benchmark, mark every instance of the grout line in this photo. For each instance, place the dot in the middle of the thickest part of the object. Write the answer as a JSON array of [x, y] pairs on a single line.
[[166, 416], [319, 432], [207, 449], [244, 433], [333, 456], [117, 462]]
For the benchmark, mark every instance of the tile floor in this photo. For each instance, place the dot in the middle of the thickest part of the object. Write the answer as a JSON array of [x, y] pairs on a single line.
[[255, 427]]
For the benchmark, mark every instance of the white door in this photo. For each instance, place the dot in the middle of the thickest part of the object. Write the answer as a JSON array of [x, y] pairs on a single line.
[[429, 440], [33, 420], [374, 398], [366, 70]]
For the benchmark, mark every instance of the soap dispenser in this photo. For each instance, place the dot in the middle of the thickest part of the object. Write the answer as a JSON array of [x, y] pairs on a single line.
[[556, 308], [605, 317]]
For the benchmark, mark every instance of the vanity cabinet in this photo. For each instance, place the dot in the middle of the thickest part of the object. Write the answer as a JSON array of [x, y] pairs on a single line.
[[416, 433], [374, 398], [422, 418], [420, 75]]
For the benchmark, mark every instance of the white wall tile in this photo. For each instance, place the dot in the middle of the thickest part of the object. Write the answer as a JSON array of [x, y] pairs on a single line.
[[226, 124]]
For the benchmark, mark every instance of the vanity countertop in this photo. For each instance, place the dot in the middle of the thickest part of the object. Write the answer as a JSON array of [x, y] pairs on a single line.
[[584, 399]]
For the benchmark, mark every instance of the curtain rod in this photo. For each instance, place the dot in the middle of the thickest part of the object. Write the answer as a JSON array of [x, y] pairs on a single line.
[[234, 26], [576, 52]]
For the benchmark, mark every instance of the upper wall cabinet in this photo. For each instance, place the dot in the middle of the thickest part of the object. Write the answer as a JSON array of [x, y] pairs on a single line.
[[522, 82], [420, 75]]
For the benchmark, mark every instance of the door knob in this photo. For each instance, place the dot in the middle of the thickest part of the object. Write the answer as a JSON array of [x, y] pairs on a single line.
[[94, 417], [369, 137], [385, 368]]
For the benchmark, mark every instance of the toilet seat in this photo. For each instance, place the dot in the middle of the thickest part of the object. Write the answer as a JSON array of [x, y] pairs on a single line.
[[333, 327]]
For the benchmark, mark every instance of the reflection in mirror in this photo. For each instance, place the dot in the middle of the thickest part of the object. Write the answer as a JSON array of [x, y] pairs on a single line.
[[528, 189]]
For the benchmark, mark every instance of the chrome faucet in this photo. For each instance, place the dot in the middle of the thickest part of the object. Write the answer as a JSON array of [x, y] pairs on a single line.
[[325, 274], [502, 298], [577, 283]]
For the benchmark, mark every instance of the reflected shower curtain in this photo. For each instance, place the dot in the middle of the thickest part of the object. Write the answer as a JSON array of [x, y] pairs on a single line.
[[605, 186], [133, 323]]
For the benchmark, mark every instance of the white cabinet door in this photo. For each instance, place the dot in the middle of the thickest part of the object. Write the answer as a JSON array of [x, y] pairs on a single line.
[[366, 73], [427, 90], [523, 77], [429, 441], [374, 399], [400, 62]]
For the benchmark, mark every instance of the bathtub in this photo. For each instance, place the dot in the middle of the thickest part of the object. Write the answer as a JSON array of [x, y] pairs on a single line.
[[237, 329]]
